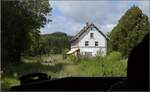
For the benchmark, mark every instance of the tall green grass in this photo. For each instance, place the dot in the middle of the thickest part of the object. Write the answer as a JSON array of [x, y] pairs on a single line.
[[7, 83], [111, 65]]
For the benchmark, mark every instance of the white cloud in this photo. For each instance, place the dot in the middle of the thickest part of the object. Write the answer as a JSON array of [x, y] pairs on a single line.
[[74, 14], [107, 28], [61, 24]]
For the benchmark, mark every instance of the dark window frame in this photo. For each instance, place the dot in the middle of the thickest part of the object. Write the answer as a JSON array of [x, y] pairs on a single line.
[[96, 43], [91, 35], [86, 43]]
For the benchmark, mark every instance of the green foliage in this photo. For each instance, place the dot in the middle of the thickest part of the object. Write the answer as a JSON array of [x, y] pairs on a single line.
[[114, 65], [55, 43], [72, 58], [114, 56], [64, 55], [57, 34], [21, 21], [89, 67], [101, 66], [111, 65], [7, 83], [130, 30]]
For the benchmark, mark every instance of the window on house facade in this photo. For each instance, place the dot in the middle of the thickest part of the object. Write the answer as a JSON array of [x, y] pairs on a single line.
[[86, 43], [91, 35], [96, 43]]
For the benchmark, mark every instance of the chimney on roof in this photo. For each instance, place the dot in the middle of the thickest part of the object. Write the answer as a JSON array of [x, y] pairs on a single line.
[[87, 23]]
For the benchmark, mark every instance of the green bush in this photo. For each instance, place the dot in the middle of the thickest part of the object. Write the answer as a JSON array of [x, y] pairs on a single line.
[[114, 56], [64, 55], [106, 66], [88, 68], [73, 58], [114, 65], [7, 83]]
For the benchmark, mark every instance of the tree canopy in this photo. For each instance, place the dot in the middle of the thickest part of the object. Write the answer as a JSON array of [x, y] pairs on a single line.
[[130, 30], [21, 21]]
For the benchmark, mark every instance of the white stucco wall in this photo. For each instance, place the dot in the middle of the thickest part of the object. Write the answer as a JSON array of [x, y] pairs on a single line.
[[102, 42], [94, 51]]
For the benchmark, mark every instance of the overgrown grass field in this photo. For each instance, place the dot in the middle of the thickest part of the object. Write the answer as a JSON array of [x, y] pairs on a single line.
[[111, 65]]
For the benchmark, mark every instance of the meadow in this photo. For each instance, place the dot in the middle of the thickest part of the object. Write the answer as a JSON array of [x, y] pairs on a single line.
[[111, 65]]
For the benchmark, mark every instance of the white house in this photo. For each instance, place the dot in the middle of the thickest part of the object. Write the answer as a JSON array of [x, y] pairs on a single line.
[[89, 41]]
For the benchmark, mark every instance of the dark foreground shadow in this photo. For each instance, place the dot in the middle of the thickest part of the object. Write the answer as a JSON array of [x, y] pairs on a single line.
[[137, 69]]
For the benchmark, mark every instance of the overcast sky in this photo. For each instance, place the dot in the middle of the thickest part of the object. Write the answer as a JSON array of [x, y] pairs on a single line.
[[71, 16]]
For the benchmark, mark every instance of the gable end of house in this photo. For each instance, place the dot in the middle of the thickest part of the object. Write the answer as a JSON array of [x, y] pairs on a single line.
[[85, 29]]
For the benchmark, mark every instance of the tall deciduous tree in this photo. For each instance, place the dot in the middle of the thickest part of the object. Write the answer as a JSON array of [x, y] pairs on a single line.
[[130, 30], [21, 21]]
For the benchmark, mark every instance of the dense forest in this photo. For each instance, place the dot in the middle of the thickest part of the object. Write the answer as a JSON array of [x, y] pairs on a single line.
[[54, 43], [57, 42]]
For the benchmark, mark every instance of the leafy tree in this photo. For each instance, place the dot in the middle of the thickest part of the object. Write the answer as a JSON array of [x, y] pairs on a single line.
[[21, 21], [130, 30]]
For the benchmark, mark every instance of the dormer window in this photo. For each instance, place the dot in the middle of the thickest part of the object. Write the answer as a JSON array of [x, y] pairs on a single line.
[[91, 35]]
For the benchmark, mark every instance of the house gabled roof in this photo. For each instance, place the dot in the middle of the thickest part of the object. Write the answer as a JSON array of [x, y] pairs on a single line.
[[85, 29]]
